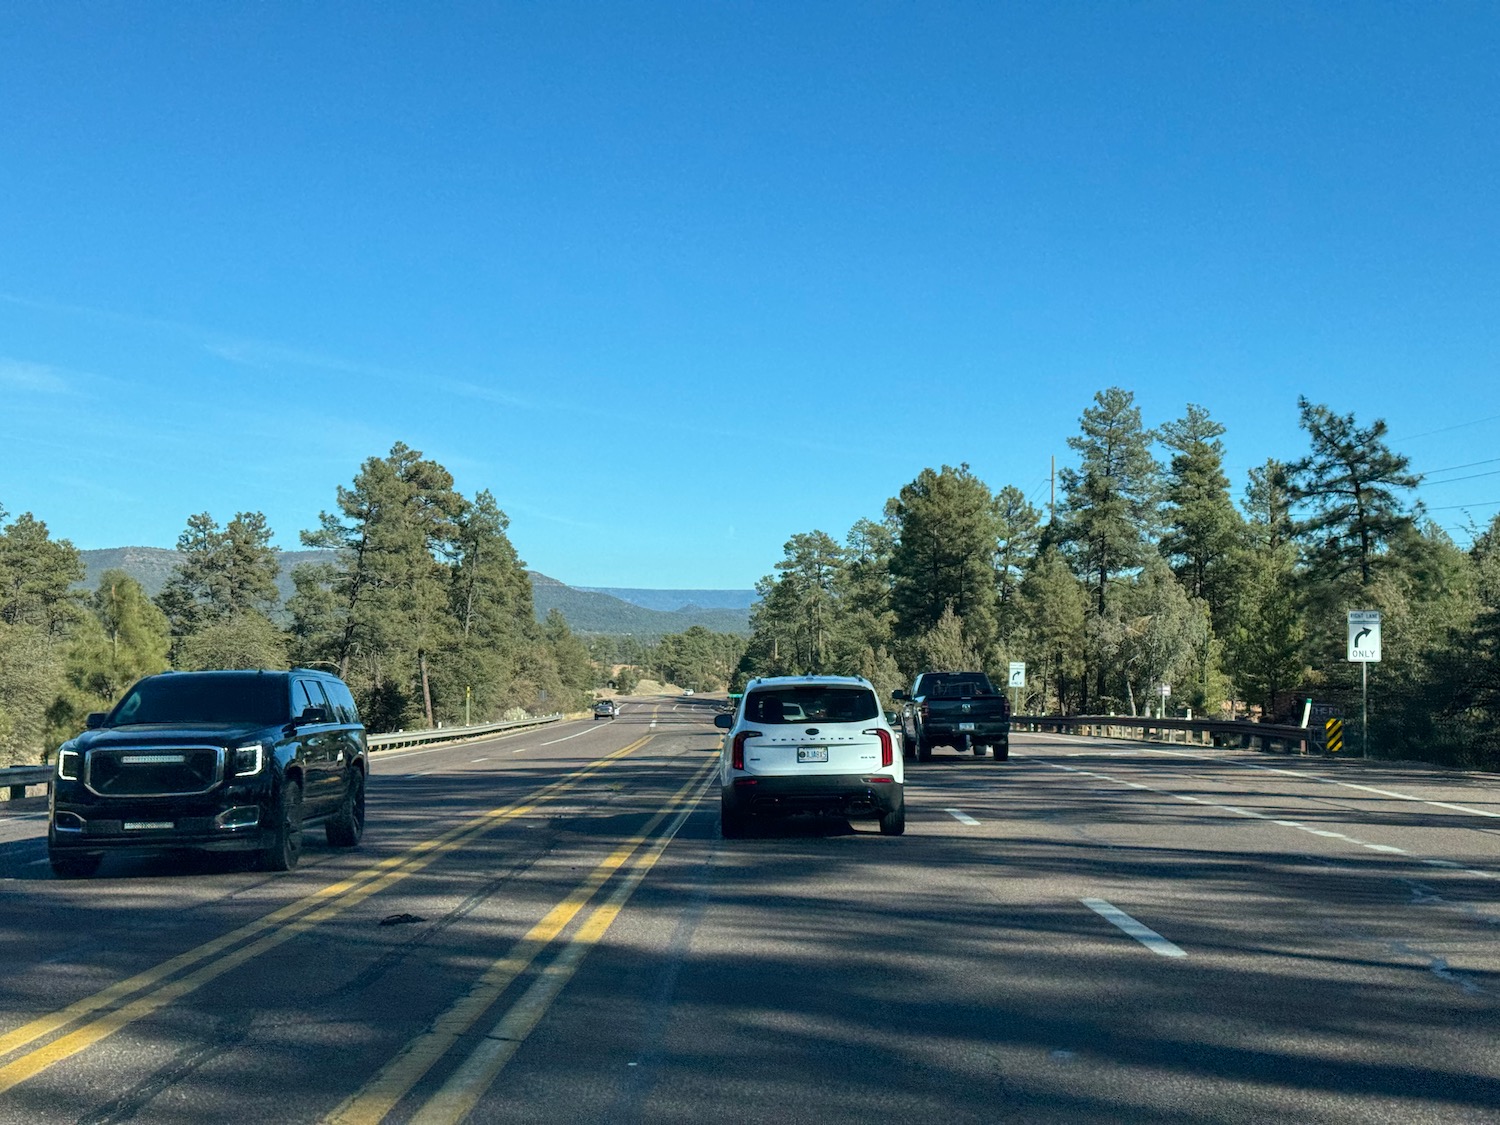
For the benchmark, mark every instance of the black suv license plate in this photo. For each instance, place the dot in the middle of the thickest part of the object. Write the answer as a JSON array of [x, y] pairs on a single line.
[[812, 753]]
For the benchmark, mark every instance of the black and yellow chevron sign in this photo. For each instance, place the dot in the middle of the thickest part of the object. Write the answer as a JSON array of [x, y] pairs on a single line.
[[1334, 735]]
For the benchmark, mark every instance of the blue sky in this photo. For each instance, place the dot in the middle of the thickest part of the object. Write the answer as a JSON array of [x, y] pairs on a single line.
[[676, 281]]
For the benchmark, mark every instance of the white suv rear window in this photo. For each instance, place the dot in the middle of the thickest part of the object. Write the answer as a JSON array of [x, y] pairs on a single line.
[[811, 704]]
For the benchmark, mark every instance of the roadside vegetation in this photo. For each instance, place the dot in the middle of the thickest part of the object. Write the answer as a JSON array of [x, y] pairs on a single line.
[[422, 605], [1146, 573]]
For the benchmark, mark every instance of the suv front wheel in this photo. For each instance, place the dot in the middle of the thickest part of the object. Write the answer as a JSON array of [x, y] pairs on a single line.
[[74, 866], [284, 847]]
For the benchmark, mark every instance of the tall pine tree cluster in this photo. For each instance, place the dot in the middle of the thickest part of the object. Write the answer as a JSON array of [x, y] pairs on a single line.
[[1148, 574], [422, 604]]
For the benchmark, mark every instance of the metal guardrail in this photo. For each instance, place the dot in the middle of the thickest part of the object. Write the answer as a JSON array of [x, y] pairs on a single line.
[[453, 734], [1216, 732], [15, 779]]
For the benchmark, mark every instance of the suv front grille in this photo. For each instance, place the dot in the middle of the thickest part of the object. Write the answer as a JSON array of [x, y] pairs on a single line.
[[166, 771]]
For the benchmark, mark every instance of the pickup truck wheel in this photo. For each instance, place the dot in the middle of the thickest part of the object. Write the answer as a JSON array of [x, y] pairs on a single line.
[[1002, 750], [893, 823], [74, 866], [284, 847], [732, 822], [348, 825], [924, 750]]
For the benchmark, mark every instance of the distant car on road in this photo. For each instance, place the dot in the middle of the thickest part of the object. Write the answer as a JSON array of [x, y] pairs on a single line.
[[810, 744], [606, 709]]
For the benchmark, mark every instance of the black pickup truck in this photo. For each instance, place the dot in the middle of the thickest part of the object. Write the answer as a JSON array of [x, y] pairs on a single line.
[[958, 709]]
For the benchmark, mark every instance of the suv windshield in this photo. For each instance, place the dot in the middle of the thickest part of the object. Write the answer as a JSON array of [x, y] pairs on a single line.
[[811, 703], [232, 698]]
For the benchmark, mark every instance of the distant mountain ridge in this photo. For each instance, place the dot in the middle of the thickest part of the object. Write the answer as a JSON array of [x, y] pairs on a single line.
[[669, 601], [646, 613]]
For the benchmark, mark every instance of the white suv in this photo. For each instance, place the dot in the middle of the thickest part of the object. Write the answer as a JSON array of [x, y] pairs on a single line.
[[810, 744]]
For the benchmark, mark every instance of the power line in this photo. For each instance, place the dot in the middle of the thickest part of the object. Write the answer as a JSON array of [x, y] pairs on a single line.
[[1446, 429], [1454, 468], [1455, 507], [1455, 480]]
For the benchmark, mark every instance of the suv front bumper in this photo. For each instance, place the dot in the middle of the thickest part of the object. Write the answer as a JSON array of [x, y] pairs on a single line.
[[228, 820]]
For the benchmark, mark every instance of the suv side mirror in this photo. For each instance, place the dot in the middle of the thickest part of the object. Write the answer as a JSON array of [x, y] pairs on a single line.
[[95, 719], [898, 695], [723, 722]]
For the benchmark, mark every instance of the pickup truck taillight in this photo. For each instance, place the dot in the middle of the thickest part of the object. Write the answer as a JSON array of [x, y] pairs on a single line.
[[926, 712], [887, 748], [737, 750]]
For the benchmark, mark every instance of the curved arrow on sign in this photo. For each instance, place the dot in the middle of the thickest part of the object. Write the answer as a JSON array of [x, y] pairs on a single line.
[[1361, 635]]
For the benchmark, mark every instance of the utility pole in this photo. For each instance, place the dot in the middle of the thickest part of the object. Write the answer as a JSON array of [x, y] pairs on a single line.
[[1052, 494]]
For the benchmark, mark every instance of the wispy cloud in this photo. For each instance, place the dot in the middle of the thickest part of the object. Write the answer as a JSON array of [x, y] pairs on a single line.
[[33, 378]]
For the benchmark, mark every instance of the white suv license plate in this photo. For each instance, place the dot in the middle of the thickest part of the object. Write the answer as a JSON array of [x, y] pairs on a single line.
[[965, 726], [812, 753]]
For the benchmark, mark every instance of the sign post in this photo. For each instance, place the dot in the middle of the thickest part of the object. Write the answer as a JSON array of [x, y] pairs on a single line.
[[1364, 650], [1016, 682]]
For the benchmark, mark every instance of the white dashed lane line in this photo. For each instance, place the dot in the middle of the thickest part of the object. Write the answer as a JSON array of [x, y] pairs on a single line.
[[1235, 810], [1138, 930], [961, 817], [1303, 775], [579, 734]]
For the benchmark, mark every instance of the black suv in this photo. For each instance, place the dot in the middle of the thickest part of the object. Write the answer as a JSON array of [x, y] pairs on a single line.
[[217, 761]]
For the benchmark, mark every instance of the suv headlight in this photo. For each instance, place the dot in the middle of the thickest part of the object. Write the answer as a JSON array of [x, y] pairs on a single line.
[[249, 760], [69, 762]]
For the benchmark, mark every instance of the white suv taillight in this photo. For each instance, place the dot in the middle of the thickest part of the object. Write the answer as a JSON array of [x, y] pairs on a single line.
[[737, 751], [887, 748]]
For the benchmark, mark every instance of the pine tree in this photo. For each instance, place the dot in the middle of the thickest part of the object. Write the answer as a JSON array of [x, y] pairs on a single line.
[[1265, 639], [1055, 605], [227, 583], [1348, 487], [389, 611], [1109, 509], [123, 638], [1017, 534], [1203, 528], [944, 555], [1110, 502], [36, 574]]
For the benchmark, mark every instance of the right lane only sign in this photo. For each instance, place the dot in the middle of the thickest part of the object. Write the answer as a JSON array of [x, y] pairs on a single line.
[[1364, 636]]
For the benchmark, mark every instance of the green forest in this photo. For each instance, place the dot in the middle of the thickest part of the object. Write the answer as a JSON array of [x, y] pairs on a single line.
[[1145, 572], [421, 604]]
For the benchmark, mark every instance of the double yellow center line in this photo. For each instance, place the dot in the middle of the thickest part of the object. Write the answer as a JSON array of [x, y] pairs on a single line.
[[463, 1089], [139, 996]]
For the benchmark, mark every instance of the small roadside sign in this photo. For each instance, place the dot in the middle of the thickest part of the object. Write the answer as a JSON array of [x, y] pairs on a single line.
[[1333, 735], [1364, 636], [1164, 690], [1017, 673]]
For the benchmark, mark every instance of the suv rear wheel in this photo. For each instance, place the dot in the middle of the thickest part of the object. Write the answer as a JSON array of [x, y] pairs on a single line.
[[893, 823], [348, 824], [732, 823]]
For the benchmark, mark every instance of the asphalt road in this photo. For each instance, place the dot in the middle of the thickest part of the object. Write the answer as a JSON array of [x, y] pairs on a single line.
[[546, 927]]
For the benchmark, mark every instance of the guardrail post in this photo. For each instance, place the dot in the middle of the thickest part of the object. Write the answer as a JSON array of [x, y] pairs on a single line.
[[17, 792]]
